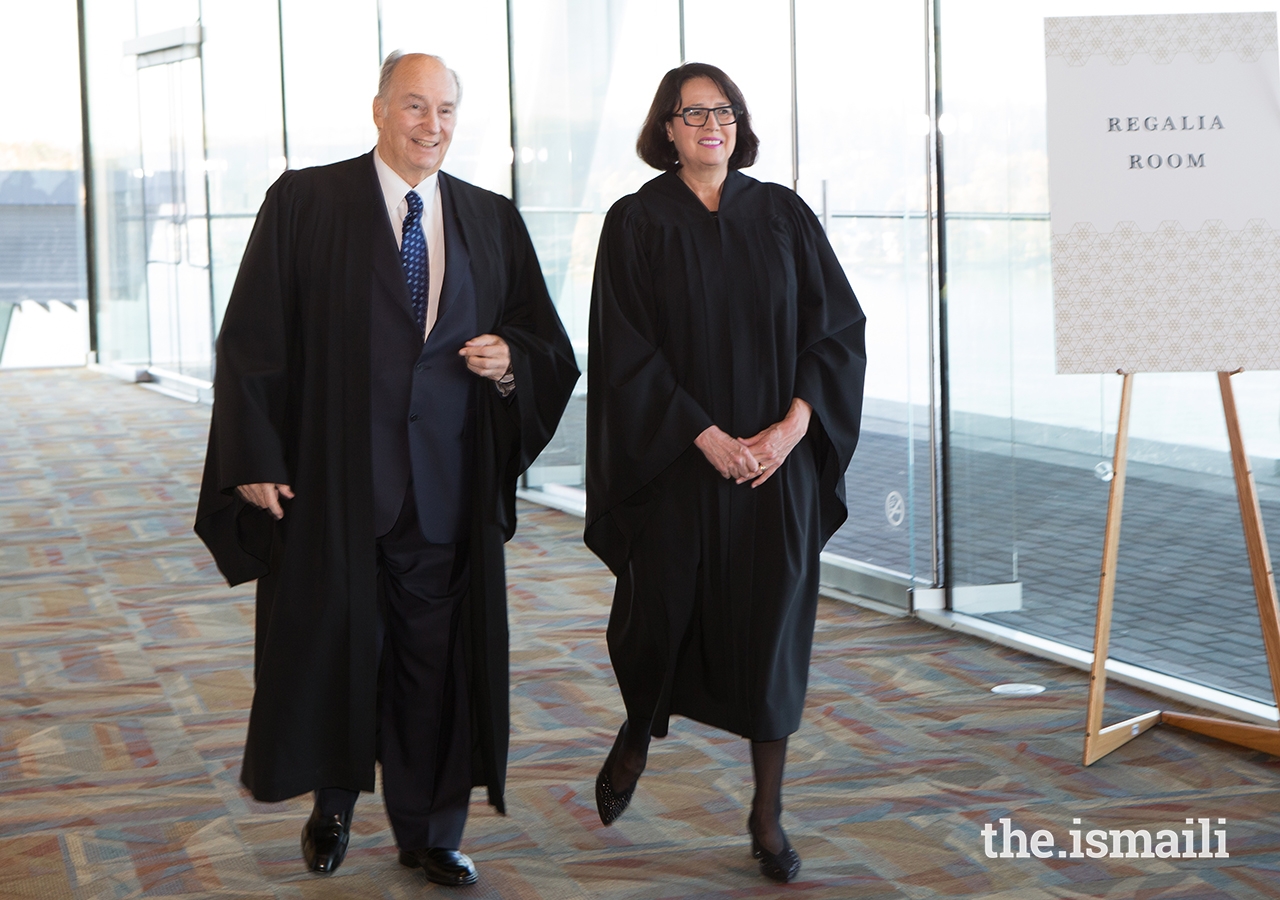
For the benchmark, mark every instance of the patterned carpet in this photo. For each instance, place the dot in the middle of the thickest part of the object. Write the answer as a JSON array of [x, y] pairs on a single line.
[[125, 667]]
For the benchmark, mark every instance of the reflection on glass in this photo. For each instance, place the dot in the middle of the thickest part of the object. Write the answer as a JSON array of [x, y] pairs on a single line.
[[751, 41], [43, 297], [151, 214], [173, 189], [331, 74], [472, 39], [887, 485], [119, 231], [585, 73], [863, 170], [156, 16], [244, 127]]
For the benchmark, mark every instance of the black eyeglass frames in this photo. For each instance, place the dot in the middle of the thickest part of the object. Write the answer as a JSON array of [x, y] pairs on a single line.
[[696, 116]]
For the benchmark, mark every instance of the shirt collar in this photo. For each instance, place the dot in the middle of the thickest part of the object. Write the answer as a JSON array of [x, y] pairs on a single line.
[[394, 187]]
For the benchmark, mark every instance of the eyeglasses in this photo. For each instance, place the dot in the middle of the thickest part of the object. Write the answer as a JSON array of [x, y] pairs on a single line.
[[696, 116]]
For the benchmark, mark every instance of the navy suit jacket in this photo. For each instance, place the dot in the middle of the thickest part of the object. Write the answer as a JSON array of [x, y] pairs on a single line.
[[423, 395]]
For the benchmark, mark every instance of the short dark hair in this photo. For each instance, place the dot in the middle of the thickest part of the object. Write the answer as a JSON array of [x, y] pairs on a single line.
[[653, 145]]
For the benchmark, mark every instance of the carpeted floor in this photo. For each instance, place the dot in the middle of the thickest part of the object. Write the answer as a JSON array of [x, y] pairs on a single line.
[[125, 672]]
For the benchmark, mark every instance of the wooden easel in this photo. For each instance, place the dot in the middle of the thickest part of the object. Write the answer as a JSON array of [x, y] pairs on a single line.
[[1099, 741]]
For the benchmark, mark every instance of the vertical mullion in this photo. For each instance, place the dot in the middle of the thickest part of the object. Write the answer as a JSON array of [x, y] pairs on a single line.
[[284, 109], [511, 101], [86, 180], [943, 354], [795, 108], [208, 205]]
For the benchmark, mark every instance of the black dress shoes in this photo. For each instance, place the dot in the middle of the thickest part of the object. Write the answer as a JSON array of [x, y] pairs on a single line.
[[447, 867], [324, 840]]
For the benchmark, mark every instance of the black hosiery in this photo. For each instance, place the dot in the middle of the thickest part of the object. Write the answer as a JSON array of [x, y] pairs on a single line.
[[768, 758], [629, 761]]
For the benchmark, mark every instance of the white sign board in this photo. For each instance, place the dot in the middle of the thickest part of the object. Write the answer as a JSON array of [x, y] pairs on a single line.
[[1164, 185]]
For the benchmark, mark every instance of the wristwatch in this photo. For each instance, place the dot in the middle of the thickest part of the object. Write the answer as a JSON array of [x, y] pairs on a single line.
[[507, 383]]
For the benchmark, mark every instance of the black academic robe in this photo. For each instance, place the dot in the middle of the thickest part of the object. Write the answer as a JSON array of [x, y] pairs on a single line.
[[698, 320], [292, 406]]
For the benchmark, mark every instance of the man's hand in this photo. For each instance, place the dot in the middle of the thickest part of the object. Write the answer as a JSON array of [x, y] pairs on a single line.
[[729, 456], [772, 446], [266, 496], [488, 356]]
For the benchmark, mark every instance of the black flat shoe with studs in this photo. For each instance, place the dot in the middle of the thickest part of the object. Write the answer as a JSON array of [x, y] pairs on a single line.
[[782, 866], [610, 803]]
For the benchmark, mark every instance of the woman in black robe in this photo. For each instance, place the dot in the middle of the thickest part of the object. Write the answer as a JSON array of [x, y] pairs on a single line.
[[725, 375]]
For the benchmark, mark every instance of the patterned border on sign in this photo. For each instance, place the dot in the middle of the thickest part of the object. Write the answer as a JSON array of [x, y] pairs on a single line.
[[1077, 39], [1168, 300]]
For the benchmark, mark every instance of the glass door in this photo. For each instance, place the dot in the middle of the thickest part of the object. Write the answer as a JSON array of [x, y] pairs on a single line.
[[175, 204]]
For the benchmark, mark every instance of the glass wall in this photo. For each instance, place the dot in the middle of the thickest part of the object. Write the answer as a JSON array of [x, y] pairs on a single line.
[[195, 108], [755, 51], [577, 116], [44, 314], [118, 227], [330, 54], [187, 136], [145, 90], [243, 124], [1031, 450], [863, 167], [472, 39], [584, 75]]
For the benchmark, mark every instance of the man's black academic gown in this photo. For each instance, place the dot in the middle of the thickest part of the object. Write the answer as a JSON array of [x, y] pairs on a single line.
[[292, 406], [698, 320]]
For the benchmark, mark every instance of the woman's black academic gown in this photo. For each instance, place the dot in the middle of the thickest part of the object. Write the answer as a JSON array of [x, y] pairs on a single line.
[[698, 320]]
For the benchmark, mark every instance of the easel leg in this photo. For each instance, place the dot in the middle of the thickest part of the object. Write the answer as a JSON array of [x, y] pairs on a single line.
[[1259, 737], [1255, 538], [1098, 742]]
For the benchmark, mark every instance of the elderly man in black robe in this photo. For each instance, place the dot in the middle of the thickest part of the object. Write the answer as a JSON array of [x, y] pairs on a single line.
[[389, 363]]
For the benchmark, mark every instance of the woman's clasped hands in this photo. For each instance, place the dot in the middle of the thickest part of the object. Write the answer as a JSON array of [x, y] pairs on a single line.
[[756, 458]]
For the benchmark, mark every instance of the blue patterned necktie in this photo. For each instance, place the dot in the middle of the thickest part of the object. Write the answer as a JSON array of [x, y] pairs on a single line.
[[413, 255]]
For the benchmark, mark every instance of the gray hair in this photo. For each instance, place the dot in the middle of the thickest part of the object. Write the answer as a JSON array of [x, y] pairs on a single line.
[[389, 67]]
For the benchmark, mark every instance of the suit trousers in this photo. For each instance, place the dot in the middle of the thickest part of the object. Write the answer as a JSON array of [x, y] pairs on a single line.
[[424, 716]]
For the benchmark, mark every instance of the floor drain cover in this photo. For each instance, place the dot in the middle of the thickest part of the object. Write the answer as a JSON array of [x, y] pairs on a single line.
[[1018, 690]]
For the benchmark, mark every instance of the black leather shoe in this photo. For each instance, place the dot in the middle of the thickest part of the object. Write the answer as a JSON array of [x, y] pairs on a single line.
[[447, 867], [324, 841], [782, 866], [610, 803]]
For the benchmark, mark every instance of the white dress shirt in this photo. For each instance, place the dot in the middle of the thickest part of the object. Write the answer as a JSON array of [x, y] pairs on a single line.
[[394, 190]]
